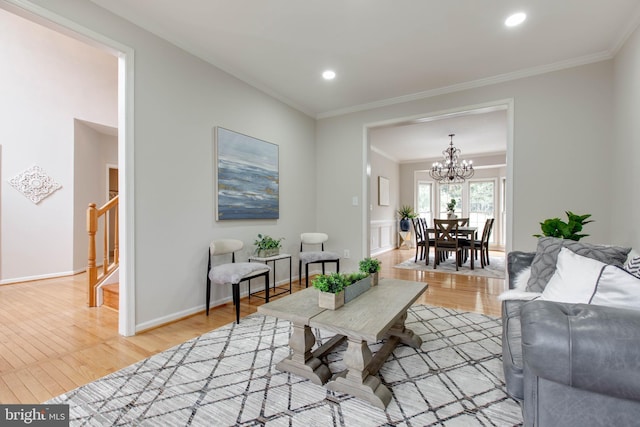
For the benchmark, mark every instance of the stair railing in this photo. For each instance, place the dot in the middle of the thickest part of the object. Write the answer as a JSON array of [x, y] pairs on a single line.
[[95, 274]]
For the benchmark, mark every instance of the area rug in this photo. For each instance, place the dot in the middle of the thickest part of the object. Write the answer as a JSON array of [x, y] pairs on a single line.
[[227, 377], [495, 269]]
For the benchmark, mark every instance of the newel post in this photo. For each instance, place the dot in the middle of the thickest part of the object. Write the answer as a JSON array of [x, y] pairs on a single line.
[[92, 270]]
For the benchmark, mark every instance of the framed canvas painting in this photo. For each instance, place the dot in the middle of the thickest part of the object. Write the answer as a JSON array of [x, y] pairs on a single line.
[[383, 191], [247, 177]]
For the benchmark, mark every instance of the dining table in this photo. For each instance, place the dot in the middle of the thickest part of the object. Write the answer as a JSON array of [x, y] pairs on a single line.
[[469, 233]]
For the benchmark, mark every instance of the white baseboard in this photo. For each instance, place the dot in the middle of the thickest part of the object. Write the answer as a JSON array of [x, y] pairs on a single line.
[[40, 277], [198, 309]]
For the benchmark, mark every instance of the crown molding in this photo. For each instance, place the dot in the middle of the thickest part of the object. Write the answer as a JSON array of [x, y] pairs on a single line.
[[500, 78]]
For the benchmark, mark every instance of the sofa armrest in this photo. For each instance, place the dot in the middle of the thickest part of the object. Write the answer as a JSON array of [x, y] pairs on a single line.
[[589, 347], [516, 262]]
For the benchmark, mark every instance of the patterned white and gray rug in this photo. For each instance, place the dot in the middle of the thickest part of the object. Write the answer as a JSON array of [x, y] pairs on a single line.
[[227, 377], [495, 269]]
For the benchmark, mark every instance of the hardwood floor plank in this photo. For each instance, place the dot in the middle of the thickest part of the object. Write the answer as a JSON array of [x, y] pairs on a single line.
[[60, 343]]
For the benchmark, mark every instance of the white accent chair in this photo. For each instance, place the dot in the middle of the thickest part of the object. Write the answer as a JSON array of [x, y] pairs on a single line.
[[315, 241], [232, 273]]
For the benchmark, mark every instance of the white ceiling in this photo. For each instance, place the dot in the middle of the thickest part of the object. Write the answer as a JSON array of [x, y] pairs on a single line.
[[476, 132], [388, 51], [381, 49]]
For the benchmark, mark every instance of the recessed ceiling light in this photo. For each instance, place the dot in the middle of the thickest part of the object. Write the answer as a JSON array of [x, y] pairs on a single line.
[[515, 19], [329, 75]]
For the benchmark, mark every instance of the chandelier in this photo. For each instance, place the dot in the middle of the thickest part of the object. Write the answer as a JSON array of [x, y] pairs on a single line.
[[450, 171]]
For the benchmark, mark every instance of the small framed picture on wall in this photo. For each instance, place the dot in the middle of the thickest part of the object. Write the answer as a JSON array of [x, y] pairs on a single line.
[[383, 191]]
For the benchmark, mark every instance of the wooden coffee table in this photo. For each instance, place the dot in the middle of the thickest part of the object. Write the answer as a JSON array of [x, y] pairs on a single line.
[[377, 314]]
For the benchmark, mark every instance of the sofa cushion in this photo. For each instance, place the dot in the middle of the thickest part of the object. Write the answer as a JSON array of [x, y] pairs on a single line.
[[574, 280], [616, 287], [633, 263], [544, 262]]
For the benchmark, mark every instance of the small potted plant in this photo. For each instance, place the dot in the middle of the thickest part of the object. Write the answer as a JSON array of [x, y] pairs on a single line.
[[555, 227], [372, 267], [406, 213], [331, 287], [267, 246], [451, 208]]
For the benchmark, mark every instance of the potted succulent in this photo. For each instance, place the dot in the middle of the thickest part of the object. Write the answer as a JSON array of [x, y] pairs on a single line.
[[267, 246], [331, 287], [555, 227], [451, 208], [406, 213], [371, 266]]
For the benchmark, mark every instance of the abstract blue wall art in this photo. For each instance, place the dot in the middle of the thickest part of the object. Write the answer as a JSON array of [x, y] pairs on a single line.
[[247, 178]]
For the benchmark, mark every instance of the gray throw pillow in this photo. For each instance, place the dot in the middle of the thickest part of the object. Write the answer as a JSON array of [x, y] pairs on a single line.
[[544, 262]]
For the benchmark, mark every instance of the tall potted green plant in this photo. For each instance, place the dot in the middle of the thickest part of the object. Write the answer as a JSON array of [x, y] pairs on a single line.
[[406, 214]]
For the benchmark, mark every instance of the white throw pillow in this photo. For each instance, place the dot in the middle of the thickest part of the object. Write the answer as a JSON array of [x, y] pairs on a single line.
[[574, 280], [617, 287]]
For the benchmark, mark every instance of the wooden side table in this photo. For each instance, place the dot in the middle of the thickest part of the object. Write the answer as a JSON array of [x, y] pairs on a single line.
[[405, 239], [266, 260]]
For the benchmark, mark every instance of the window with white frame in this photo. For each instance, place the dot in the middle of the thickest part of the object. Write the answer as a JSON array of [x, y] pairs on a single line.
[[447, 193], [423, 201], [482, 196]]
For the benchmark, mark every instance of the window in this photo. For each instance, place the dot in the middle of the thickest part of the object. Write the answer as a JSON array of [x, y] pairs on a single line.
[[448, 192], [424, 201], [481, 203]]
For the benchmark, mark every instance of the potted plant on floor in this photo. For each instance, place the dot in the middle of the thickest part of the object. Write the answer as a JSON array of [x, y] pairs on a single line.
[[267, 246], [372, 267], [331, 287], [406, 213]]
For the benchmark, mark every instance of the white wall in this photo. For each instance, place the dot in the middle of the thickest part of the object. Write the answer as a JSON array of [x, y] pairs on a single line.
[[383, 219], [625, 203], [179, 99], [562, 134], [48, 80], [93, 151]]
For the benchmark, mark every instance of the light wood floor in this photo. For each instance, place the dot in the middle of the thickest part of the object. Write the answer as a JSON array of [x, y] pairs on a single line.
[[51, 342]]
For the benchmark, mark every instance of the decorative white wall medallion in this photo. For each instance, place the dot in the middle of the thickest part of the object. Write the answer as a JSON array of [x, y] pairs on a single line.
[[34, 183]]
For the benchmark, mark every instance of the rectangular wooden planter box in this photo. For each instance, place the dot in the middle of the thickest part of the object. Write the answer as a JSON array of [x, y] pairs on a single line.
[[330, 301]]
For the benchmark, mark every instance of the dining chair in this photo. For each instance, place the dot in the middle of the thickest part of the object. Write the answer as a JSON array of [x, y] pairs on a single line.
[[429, 239], [315, 241], [446, 240], [418, 231], [231, 273], [484, 242]]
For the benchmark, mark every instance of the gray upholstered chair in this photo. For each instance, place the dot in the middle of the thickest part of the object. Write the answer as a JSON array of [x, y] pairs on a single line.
[[309, 253], [232, 273]]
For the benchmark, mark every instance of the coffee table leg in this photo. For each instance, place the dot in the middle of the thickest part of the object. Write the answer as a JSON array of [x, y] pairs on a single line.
[[406, 335], [301, 361], [357, 380]]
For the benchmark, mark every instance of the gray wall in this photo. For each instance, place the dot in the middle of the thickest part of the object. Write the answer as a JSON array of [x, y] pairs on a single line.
[[179, 99], [625, 203], [562, 136], [563, 131]]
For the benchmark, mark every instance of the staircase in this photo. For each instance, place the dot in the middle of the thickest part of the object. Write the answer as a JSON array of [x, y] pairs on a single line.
[[102, 219], [111, 295]]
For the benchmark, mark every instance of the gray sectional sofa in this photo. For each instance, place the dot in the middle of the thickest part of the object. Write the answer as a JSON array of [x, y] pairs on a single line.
[[570, 364]]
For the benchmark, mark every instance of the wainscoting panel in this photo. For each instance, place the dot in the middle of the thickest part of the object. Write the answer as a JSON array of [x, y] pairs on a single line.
[[383, 236]]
